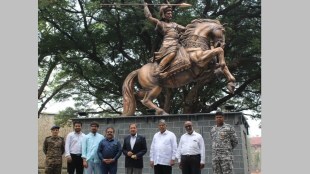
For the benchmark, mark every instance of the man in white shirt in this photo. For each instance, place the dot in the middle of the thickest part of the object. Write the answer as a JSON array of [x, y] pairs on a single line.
[[73, 149], [191, 151], [163, 150]]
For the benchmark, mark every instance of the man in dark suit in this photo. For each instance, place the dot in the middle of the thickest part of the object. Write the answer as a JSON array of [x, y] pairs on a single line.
[[134, 148]]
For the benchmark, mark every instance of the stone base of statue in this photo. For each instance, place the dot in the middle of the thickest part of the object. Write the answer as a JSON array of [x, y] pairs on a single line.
[[202, 123]]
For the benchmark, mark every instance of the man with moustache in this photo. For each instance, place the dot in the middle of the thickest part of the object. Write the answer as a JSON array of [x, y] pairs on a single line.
[[109, 150], [90, 144], [224, 140], [53, 148], [134, 147], [73, 149], [163, 149], [191, 151]]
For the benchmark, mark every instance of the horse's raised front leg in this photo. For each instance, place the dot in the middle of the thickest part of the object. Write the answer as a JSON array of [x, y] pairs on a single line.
[[230, 78], [222, 64], [203, 57], [148, 98], [219, 52]]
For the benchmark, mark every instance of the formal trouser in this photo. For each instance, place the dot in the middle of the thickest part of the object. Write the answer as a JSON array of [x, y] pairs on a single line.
[[190, 164], [93, 168], [75, 164], [53, 169], [162, 169], [222, 166], [109, 168], [131, 170]]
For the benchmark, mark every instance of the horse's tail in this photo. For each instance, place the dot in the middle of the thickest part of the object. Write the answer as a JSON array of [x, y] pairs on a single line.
[[129, 101]]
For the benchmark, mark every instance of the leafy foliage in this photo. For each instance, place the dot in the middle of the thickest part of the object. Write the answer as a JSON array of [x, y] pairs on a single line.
[[87, 50], [62, 119]]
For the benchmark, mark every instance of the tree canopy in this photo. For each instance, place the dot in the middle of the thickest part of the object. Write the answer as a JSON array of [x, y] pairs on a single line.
[[86, 50]]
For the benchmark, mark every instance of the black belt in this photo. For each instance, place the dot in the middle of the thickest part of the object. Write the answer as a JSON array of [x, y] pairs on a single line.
[[75, 154], [190, 155]]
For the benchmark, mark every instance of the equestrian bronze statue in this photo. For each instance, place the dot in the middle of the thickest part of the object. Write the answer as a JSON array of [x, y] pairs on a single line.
[[201, 42]]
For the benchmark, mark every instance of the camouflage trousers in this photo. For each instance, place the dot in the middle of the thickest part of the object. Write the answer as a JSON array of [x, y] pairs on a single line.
[[53, 169], [222, 167]]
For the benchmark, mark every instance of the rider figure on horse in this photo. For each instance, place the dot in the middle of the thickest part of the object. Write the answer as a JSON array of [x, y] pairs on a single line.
[[170, 31]]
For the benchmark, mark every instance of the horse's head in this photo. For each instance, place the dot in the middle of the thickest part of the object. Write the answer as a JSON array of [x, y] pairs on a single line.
[[204, 33], [218, 36]]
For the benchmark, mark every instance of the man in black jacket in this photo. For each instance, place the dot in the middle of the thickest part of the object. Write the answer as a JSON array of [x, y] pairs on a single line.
[[134, 148]]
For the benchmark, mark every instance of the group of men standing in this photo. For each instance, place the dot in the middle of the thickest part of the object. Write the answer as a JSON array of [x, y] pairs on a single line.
[[97, 154]]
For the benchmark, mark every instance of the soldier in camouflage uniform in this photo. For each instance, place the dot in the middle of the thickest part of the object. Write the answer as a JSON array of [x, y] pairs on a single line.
[[53, 148], [224, 140]]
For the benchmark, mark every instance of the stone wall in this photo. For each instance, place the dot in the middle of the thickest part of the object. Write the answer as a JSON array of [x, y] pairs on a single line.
[[202, 123]]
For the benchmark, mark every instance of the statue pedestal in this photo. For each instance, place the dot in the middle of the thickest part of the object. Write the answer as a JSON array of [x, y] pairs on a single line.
[[202, 123]]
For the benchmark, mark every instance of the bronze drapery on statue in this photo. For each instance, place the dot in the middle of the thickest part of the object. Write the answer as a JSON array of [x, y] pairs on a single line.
[[201, 42]]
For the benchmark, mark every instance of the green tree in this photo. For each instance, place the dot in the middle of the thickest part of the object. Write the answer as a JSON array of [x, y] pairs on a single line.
[[87, 50]]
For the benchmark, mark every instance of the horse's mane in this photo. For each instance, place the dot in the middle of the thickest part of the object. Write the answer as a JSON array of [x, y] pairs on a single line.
[[190, 28]]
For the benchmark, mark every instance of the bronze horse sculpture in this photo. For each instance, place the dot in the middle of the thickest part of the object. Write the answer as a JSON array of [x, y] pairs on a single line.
[[202, 41]]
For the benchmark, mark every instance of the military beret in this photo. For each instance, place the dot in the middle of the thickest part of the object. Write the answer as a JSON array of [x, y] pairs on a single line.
[[55, 127]]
